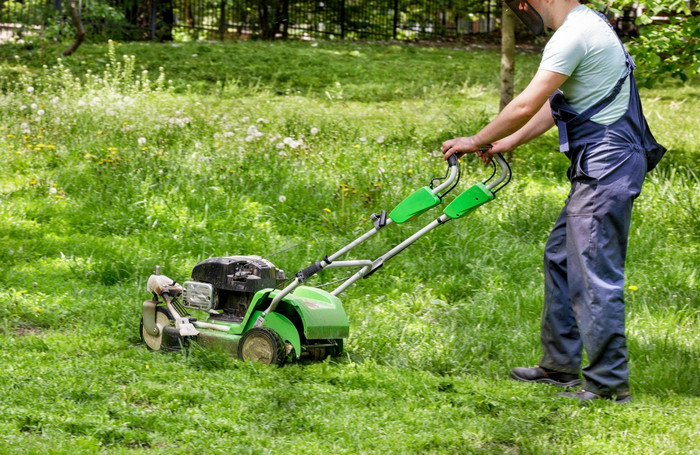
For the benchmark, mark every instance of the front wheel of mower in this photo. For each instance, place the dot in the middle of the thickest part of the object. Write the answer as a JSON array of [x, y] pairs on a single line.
[[263, 345], [155, 342]]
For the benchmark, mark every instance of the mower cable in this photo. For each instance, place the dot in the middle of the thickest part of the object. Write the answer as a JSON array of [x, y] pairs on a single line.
[[459, 175]]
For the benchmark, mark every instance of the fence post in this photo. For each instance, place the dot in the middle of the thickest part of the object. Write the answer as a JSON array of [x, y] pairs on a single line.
[[488, 16], [342, 19], [152, 20], [396, 17], [285, 19], [222, 19]]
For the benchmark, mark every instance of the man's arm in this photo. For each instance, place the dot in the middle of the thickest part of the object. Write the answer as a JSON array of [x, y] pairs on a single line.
[[528, 104], [539, 124]]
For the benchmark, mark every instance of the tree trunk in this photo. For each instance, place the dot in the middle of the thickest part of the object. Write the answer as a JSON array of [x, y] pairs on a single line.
[[79, 30], [507, 56]]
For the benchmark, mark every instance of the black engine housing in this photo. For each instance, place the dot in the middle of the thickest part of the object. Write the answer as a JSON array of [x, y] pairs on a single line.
[[236, 279]]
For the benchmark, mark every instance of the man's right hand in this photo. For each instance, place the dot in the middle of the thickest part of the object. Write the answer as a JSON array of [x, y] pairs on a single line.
[[459, 146]]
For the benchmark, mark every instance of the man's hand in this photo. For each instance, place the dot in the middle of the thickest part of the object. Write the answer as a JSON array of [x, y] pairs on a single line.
[[459, 146]]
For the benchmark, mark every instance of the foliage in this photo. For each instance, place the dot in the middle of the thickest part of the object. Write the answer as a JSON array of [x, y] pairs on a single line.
[[109, 169], [662, 49]]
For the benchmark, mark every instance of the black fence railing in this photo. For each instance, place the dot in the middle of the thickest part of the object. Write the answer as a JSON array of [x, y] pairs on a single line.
[[267, 19]]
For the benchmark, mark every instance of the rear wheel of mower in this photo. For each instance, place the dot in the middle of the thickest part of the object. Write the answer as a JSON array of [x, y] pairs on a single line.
[[263, 345], [155, 342]]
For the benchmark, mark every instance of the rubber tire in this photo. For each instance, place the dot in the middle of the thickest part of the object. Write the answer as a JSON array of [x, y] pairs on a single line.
[[163, 318], [263, 345]]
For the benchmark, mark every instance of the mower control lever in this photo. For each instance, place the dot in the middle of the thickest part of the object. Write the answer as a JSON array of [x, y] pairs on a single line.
[[313, 269]]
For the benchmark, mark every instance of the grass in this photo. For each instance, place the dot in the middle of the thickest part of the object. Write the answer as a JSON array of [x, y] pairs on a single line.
[[248, 148]]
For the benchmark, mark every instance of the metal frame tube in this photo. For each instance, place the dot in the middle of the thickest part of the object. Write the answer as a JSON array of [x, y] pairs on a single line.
[[442, 219], [504, 172]]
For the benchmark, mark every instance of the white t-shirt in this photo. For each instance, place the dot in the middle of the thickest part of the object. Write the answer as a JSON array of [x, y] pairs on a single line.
[[587, 50]]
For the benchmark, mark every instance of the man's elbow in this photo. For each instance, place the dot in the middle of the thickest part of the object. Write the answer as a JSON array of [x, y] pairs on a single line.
[[525, 110]]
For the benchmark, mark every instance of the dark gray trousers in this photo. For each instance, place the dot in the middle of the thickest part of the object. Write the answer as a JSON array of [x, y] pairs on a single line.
[[584, 268]]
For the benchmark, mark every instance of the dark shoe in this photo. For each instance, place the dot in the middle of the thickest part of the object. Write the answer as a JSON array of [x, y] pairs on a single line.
[[586, 396], [539, 374]]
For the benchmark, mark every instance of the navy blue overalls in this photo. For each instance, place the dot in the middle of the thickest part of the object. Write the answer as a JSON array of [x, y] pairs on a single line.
[[585, 255]]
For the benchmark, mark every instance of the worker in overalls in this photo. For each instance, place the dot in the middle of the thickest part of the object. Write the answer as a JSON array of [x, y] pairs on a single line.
[[586, 87]]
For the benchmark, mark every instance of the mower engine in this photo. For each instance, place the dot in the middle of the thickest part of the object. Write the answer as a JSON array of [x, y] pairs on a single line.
[[224, 286]]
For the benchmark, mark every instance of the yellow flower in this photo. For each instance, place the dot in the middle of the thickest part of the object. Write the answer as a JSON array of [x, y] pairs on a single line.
[[38, 310], [633, 288], [33, 182], [327, 210], [410, 171]]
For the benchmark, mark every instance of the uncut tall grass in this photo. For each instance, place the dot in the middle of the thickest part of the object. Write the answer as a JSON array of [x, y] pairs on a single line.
[[139, 155]]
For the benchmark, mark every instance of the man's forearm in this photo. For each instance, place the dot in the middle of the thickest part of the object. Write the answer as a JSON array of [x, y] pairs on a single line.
[[538, 125]]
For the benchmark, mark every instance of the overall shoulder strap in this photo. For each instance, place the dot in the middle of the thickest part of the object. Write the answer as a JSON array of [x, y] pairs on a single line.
[[610, 97]]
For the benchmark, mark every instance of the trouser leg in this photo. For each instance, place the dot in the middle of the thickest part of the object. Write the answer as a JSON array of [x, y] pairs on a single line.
[[559, 334], [598, 215], [596, 249]]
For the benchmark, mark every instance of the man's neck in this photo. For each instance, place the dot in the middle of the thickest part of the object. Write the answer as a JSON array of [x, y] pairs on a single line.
[[559, 10]]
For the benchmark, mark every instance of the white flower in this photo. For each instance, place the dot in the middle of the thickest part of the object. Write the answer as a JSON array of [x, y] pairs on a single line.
[[30, 89], [380, 140], [263, 120], [142, 141], [253, 132], [363, 139], [228, 134], [314, 130], [53, 190], [23, 108], [40, 112], [281, 198], [33, 106]]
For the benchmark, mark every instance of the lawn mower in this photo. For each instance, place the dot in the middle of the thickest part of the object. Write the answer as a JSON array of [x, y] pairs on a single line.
[[253, 310]]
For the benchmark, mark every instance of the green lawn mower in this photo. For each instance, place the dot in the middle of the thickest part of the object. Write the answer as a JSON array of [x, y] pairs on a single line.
[[256, 313]]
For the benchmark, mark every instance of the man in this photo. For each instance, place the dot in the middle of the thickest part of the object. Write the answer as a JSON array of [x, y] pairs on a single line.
[[585, 85]]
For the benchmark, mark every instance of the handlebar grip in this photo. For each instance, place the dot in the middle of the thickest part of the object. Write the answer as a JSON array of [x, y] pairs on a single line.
[[452, 160]]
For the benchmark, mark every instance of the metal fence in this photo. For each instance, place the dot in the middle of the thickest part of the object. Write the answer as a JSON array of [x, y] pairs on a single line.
[[267, 19]]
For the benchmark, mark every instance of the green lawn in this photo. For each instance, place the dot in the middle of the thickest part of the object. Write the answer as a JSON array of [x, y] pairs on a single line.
[[251, 147]]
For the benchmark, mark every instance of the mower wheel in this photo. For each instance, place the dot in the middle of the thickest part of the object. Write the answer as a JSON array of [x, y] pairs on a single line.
[[263, 345], [155, 342]]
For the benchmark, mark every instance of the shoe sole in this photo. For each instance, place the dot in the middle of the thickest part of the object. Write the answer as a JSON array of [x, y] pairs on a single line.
[[573, 383]]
